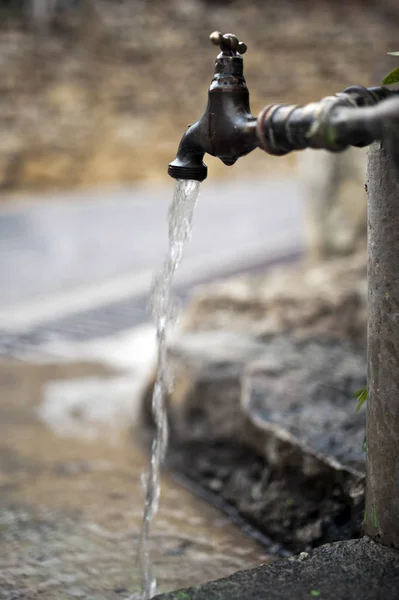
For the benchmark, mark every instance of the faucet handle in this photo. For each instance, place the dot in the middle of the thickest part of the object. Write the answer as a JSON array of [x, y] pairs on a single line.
[[228, 43]]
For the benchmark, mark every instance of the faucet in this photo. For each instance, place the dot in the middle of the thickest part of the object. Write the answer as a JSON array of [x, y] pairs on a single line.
[[227, 129]]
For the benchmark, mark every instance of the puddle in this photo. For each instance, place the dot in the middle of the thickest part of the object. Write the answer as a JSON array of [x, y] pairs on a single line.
[[90, 407], [71, 500]]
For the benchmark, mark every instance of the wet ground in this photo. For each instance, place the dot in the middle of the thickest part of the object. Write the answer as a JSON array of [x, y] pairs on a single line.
[[71, 500]]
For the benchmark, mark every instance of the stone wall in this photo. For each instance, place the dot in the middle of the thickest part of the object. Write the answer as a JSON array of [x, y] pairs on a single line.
[[263, 410]]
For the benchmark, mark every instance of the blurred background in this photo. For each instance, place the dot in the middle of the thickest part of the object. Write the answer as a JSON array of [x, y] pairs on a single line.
[[96, 92], [94, 98]]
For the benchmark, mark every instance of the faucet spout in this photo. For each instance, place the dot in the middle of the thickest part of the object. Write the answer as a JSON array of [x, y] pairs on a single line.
[[188, 163], [227, 128]]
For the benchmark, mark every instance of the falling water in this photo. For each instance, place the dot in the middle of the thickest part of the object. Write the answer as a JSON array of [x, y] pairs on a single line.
[[164, 312]]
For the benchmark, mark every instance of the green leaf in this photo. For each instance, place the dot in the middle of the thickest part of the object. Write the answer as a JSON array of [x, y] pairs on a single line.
[[375, 520], [361, 396], [315, 593], [393, 77], [393, 53]]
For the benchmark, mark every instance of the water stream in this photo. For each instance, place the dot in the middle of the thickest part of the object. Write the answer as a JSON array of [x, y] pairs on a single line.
[[165, 313]]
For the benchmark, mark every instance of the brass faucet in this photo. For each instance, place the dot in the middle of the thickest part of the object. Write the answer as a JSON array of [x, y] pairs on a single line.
[[228, 130]]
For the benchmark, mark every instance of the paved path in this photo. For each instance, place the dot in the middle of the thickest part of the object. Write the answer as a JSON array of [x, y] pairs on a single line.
[[83, 263]]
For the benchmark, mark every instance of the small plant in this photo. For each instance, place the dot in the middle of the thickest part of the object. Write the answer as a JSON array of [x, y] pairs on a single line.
[[393, 76], [361, 397]]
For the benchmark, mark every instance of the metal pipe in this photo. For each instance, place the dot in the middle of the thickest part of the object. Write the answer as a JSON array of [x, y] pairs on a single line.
[[382, 466], [355, 117]]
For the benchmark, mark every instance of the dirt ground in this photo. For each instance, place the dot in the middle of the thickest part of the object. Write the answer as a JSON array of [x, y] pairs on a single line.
[[104, 93]]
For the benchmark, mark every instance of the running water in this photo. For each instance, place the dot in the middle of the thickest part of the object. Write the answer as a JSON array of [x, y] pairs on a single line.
[[165, 313]]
